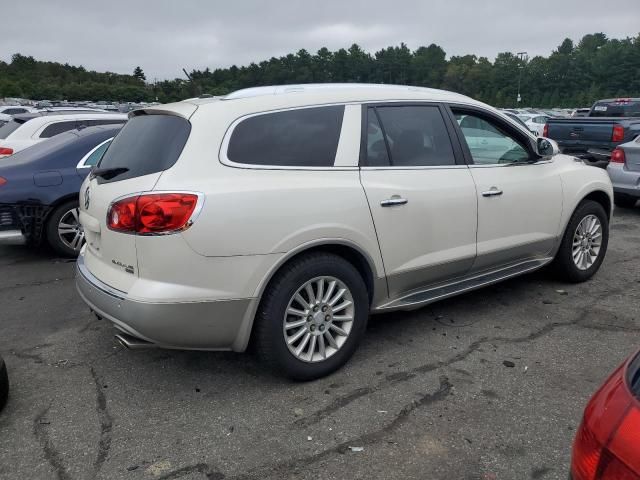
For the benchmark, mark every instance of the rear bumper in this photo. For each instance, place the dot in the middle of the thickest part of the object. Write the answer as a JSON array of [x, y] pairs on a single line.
[[623, 180], [213, 325]]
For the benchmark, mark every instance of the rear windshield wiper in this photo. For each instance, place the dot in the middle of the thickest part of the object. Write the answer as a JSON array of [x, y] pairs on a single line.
[[108, 173]]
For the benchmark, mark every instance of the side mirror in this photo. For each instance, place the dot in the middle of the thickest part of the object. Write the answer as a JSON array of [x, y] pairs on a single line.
[[547, 147]]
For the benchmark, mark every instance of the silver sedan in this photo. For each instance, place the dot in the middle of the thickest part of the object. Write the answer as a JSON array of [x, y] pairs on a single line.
[[624, 171]]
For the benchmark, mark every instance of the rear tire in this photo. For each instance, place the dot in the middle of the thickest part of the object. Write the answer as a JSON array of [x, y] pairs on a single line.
[[4, 384], [316, 327], [584, 244], [624, 201], [63, 230]]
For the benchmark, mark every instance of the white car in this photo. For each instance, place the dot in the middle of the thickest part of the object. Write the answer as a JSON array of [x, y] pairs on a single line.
[[286, 215], [28, 129], [535, 122], [16, 109]]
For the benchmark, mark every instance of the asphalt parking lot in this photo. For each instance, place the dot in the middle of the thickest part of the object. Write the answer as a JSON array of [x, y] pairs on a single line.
[[489, 385]]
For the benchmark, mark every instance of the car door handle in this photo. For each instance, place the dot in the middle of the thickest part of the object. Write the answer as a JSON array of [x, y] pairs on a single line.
[[492, 193], [393, 201]]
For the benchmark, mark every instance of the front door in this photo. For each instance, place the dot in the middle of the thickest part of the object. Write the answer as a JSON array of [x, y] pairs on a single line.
[[519, 194], [422, 197]]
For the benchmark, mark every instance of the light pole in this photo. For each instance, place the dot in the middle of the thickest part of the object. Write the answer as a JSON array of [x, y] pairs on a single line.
[[522, 56]]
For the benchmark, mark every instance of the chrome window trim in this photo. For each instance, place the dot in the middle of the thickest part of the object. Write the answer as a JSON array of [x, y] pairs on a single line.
[[424, 167], [85, 158], [224, 146]]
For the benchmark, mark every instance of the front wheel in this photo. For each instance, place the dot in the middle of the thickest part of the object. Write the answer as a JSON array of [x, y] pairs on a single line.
[[64, 232], [584, 244], [312, 316]]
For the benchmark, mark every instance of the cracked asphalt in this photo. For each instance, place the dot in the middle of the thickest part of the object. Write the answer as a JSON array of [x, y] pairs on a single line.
[[485, 386]]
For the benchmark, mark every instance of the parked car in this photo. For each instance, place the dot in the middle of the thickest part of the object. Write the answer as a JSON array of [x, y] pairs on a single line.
[[606, 444], [535, 123], [4, 384], [28, 129], [288, 214], [15, 109], [39, 188], [517, 119], [624, 171], [610, 123], [580, 112]]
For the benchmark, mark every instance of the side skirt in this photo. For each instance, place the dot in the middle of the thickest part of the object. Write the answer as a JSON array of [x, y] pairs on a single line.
[[432, 294]]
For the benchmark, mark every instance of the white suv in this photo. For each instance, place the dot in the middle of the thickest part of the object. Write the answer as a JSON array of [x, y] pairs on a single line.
[[28, 129], [285, 215]]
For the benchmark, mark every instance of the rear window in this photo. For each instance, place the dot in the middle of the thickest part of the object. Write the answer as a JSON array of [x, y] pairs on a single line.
[[615, 109], [306, 137], [8, 128], [146, 144]]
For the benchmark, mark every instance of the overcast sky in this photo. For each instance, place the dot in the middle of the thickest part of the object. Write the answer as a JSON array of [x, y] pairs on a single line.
[[162, 36]]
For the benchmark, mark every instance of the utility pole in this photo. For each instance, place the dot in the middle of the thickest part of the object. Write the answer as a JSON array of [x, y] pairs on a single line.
[[523, 57]]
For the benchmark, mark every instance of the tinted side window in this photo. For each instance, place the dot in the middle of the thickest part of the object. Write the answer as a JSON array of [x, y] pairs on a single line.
[[487, 142], [146, 144], [307, 137], [56, 128], [416, 136]]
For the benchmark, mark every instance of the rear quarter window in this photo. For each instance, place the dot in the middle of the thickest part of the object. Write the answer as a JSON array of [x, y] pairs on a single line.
[[306, 137], [146, 144], [57, 128]]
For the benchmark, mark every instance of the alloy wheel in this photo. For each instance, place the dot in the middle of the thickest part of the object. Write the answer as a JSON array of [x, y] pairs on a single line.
[[587, 241], [70, 230], [318, 319]]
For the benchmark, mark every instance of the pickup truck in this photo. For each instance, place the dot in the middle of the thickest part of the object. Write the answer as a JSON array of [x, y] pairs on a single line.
[[610, 123]]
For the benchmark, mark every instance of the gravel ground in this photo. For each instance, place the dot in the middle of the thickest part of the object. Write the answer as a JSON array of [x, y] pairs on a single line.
[[489, 385]]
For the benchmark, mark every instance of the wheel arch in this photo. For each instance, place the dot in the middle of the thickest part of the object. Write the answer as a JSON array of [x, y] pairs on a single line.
[[349, 251], [601, 197]]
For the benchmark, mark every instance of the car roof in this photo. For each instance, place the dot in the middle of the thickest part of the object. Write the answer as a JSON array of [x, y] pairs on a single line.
[[53, 116], [338, 92]]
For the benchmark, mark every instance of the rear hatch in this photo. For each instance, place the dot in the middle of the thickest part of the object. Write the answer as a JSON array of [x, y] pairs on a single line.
[[150, 143], [581, 133]]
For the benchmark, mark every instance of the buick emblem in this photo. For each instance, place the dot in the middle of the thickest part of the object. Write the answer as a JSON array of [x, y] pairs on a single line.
[[87, 198]]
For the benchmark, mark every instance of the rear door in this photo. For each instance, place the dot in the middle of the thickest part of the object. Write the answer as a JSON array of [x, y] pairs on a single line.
[[421, 195], [146, 146]]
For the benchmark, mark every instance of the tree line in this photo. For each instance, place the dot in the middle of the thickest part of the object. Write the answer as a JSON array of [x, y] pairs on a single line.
[[572, 75]]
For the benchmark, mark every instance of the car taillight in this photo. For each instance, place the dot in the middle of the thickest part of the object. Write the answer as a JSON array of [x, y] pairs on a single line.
[[2, 181], [606, 444], [617, 156], [153, 213], [618, 133], [6, 151], [545, 130]]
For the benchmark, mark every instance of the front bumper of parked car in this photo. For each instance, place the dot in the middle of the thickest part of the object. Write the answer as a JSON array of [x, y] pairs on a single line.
[[203, 325]]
